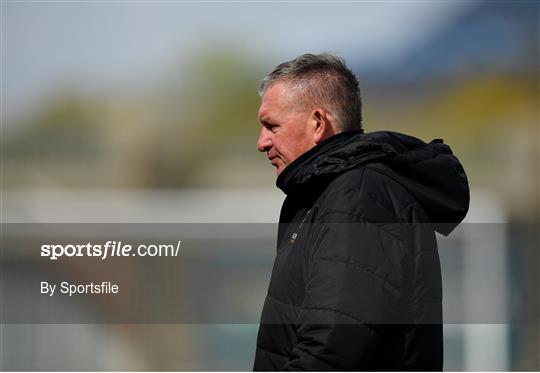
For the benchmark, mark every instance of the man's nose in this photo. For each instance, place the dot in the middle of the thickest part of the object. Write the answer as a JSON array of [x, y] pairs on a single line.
[[264, 143]]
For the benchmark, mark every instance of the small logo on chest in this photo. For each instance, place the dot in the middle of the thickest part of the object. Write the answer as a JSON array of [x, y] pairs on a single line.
[[293, 237]]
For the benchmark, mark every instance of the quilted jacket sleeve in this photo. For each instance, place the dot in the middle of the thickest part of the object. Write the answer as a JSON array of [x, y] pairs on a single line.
[[356, 288]]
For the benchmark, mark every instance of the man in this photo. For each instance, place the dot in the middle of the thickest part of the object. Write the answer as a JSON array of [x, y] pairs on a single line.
[[356, 283]]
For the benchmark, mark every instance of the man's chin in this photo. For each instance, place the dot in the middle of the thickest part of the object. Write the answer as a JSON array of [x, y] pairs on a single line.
[[279, 165], [279, 169]]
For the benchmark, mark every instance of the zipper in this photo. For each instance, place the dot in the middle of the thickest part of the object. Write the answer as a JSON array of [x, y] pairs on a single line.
[[295, 235]]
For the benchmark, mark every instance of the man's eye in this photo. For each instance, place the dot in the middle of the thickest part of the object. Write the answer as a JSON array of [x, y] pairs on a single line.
[[273, 128]]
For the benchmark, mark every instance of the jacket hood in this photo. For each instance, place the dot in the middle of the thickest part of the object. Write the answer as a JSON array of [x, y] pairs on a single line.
[[430, 172]]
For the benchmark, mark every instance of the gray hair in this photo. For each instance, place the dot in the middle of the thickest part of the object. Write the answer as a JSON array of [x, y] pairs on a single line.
[[322, 79]]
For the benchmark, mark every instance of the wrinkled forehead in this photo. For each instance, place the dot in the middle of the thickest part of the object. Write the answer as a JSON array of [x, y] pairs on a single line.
[[278, 97], [273, 99]]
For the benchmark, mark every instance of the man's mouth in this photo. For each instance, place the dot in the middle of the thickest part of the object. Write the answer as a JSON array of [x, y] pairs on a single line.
[[273, 160]]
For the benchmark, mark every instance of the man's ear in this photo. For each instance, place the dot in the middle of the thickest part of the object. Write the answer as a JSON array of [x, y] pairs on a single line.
[[321, 122]]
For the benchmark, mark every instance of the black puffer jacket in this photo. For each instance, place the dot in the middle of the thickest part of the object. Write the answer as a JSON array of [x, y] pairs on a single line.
[[356, 283]]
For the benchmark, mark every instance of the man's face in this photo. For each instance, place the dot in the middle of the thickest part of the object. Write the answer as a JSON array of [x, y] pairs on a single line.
[[285, 133]]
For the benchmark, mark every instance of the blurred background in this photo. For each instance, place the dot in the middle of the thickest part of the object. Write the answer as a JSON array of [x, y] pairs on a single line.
[[124, 112]]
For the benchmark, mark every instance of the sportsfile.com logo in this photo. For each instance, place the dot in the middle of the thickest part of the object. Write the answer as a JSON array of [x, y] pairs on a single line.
[[109, 249]]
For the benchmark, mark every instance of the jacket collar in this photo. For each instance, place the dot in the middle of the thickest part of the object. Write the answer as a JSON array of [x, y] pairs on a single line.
[[330, 158]]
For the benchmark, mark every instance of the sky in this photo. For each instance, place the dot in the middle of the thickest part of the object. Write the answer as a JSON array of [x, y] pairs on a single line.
[[101, 45]]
